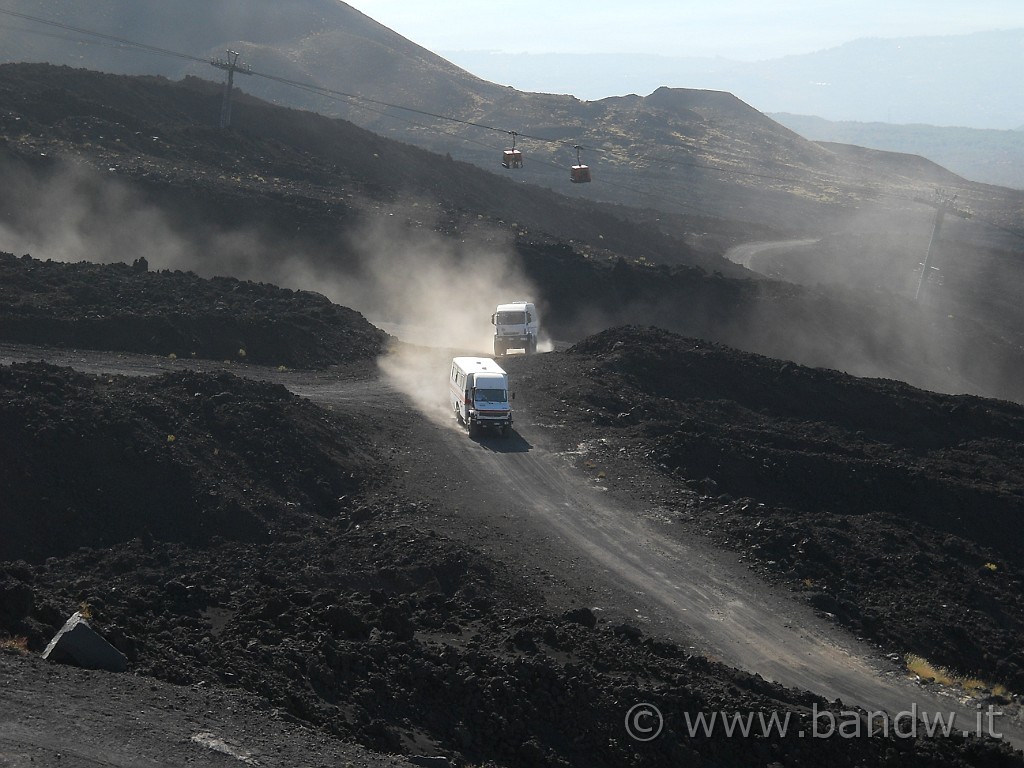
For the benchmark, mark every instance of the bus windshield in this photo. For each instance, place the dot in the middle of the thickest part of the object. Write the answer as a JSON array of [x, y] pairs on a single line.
[[491, 395], [511, 318]]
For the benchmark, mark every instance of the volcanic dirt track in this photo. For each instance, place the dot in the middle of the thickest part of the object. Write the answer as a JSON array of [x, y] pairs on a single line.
[[527, 502], [612, 533], [303, 565]]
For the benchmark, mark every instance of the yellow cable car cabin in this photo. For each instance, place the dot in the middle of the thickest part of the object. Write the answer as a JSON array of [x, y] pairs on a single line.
[[512, 158]]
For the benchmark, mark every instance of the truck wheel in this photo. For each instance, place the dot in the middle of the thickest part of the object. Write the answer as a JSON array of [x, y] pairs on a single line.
[[498, 350], [472, 428]]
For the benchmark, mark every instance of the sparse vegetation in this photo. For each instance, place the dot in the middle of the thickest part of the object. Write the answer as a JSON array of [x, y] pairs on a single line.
[[924, 669], [17, 643]]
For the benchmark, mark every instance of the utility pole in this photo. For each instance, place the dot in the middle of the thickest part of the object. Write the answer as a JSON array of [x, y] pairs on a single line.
[[231, 65], [942, 205]]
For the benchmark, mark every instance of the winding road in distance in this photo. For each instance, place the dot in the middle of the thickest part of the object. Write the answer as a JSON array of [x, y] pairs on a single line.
[[747, 254]]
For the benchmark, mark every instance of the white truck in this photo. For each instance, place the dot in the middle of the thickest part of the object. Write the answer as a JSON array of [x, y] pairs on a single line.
[[515, 327], [479, 394]]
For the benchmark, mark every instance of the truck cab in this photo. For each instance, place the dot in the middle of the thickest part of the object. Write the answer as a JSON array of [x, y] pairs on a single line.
[[479, 393], [516, 326]]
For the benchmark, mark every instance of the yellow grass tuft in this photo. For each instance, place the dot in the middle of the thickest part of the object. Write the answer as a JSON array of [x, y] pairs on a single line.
[[17, 643], [920, 666], [924, 669]]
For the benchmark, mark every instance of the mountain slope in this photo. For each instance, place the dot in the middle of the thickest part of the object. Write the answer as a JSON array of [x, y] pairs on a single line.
[[322, 40], [677, 150], [160, 131]]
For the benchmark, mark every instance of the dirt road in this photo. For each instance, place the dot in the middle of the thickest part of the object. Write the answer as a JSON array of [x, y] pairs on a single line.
[[749, 253], [584, 542], [683, 589], [631, 560]]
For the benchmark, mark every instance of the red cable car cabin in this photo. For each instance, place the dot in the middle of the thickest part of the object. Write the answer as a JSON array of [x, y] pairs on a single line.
[[579, 174], [512, 158]]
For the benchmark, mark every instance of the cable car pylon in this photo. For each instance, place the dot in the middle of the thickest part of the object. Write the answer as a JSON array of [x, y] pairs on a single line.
[[231, 65]]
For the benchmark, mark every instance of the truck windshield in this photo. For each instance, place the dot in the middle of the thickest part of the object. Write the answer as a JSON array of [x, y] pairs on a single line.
[[491, 395], [511, 318]]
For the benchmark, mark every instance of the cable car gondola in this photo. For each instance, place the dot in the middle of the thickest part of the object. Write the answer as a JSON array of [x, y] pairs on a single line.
[[579, 173], [512, 158]]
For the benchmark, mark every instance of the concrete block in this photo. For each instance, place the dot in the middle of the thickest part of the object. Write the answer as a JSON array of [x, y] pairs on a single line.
[[79, 644]]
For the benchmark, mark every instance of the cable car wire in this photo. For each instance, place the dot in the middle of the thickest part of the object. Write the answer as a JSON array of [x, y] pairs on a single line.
[[104, 36]]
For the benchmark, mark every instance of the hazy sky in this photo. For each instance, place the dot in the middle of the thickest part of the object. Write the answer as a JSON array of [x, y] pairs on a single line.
[[747, 30]]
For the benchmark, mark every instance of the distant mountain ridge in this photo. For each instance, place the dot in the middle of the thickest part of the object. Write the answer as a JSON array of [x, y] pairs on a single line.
[[989, 156], [959, 80]]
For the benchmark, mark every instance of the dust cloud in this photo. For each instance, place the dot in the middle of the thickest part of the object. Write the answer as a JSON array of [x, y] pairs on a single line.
[[961, 334], [436, 295], [70, 213], [73, 213]]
